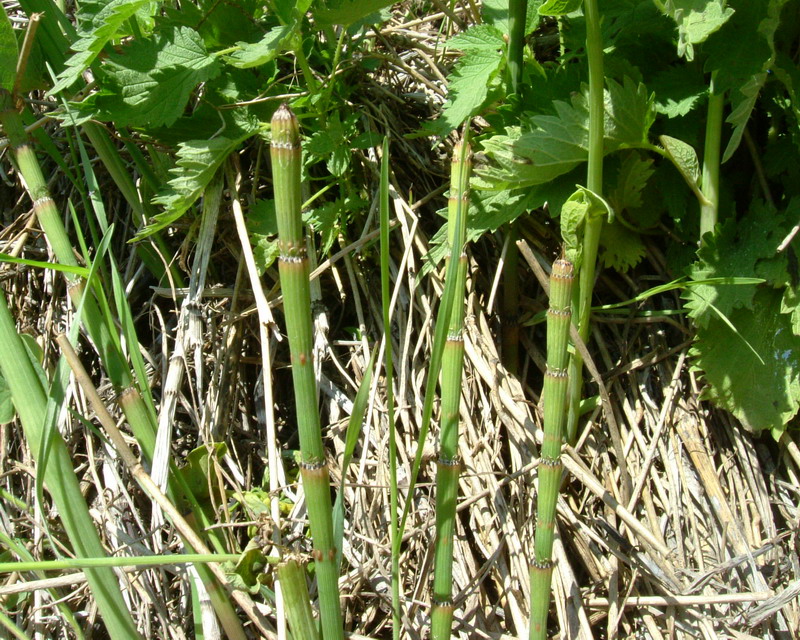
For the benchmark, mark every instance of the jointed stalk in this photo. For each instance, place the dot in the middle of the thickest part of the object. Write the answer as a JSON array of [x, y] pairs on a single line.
[[559, 316], [294, 274], [452, 365], [594, 224]]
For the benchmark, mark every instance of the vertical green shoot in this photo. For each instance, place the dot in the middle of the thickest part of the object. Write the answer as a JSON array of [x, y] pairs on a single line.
[[452, 366], [294, 274], [594, 224], [709, 210], [559, 317], [389, 370]]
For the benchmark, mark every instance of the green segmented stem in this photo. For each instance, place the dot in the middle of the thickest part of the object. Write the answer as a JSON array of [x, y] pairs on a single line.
[[452, 366], [559, 317], [294, 273]]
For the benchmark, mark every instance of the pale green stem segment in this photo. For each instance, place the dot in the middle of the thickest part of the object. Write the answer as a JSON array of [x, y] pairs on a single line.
[[594, 224], [292, 575], [559, 317], [294, 273], [452, 366], [709, 211], [30, 401]]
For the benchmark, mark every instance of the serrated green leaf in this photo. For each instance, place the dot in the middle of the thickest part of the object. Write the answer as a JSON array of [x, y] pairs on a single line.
[[744, 69], [482, 37], [733, 251], [197, 162], [559, 143], [696, 21], [684, 157], [628, 114], [622, 248], [762, 395], [259, 53], [150, 82], [678, 90], [632, 178], [346, 12], [467, 89], [8, 53], [559, 7], [105, 26]]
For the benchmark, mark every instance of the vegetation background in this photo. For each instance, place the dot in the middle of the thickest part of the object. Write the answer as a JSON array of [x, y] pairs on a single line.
[[136, 171]]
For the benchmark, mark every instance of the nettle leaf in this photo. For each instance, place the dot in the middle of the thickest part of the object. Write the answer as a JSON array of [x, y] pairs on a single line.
[[559, 143], [482, 37], [761, 389], [696, 20], [197, 162], [559, 7], [628, 114], [622, 248], [732, 252], [105, 26], [259, 53], [8, 53], [743, 68], [684, 157], [632, 178], [678, 90], [468, 83], [150, 82]]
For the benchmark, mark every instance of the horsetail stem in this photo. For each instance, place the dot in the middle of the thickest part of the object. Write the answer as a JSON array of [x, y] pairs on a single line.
[[452, 366], [294, 274], [559, 317]]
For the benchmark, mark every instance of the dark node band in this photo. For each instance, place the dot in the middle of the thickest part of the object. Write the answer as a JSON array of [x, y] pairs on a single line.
[[549, 462], [313, 465]]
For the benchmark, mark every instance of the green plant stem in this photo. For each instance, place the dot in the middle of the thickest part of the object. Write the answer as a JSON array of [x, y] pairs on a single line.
[[709, 211], [389, 371], [594, 224], [30, 401], [559, 317], [452, 366], [294, 275], [510, 317], [517, 14]]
